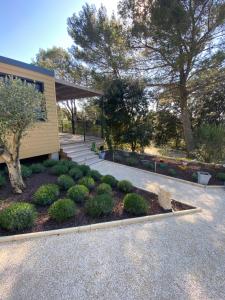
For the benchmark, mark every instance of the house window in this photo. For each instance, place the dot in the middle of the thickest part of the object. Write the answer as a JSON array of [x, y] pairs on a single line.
[[38, 85]]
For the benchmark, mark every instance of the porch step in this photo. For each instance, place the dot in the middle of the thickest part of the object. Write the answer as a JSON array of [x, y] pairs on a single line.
[[85, 159], [77, 155]]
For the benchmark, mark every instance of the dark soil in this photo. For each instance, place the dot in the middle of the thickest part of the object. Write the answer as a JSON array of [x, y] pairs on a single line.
[[43, 221], [182, 171]]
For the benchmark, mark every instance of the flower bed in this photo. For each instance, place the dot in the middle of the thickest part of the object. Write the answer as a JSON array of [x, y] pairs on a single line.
[[167, 166], [57, 201]]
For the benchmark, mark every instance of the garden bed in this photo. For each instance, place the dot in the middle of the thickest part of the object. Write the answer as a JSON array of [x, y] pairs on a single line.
[[43, 221], [167, 166]]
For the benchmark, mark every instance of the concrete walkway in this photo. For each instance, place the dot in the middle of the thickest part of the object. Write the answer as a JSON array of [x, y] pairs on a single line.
[[174, 258]]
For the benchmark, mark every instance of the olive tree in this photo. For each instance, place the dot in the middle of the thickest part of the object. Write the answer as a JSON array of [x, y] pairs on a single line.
[[21, 105]]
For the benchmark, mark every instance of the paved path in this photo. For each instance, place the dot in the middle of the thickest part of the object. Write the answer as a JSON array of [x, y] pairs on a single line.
[[174, 258]]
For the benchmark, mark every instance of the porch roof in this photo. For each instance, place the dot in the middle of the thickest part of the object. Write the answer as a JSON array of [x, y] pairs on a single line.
[[66, 90]]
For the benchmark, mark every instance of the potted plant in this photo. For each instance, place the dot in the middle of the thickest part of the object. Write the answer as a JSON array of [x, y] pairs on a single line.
[[204, 177], [101, 152]]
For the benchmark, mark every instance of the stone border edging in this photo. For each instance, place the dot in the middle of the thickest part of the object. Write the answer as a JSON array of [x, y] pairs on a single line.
[[87, 228], [173, 178]]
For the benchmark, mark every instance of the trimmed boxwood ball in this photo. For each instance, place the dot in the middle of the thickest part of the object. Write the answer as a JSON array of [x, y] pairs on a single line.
[[104, 188], [26, 171], [65, 182], [125, 186], [46, 194], [132, 161], [135, 204], [18, 216], [59, 169], [110, 180], [84, 169], [88, 182], [69, 163], [76, 173], [194, 177], [62, 210], [100, 205], [96, 175], [2, 180], [172, 172], [37, 168], [220, 176], [78, 193], [48, 163]]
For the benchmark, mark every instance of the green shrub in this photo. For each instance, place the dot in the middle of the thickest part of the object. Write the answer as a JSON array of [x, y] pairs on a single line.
[[132, 161], [37, 168], [68, 163], [95, 175], [26, 171], [99, 205], [76, 173], [65, 182], [85, 170], [148, 165], [18, 216], [48, 163], [88, 182], [78, 193], [172, 172], [163, 166], [62, 210], [46, 194], [59, 169], [2, 181], [220, 176], [104, 188], [194, 177], [135, 204], [125, 186], [111, 180]]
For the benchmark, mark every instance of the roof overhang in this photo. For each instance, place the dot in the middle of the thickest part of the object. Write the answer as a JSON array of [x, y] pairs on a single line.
[[66, 91]]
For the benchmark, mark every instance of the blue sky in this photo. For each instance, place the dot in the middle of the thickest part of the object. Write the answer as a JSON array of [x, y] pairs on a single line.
[[26, 26]]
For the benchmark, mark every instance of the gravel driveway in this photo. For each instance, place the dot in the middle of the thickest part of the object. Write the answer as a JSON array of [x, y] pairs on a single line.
[[174, 258]]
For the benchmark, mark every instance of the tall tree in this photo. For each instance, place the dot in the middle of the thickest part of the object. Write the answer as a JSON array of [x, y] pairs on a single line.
[[21, 106], [61, 61], [99, 42], [174, 38]]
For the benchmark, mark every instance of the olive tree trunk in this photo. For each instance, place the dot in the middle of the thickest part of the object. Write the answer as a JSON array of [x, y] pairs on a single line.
[[15, 177]]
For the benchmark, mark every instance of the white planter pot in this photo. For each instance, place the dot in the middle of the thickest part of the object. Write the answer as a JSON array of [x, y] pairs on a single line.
[[204, 177]]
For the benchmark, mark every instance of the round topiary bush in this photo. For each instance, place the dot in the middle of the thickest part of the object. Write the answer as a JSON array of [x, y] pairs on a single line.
[[18, 216], [2, 180], [78, 193], [99, 205], [65, 182], [132, 161], [46, 194], [96, 175], [85, 170], [104, 188], [88, 182], [125, 186], [172, 172], [110, 180], [37, 168], [69, 163], [26, 171], [76, 173], [48, 163], [59, 169], [135, 204], [62, 210], [220, 176]]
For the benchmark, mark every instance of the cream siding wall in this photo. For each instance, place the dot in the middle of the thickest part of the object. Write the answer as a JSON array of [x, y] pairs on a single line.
[[43, 138]]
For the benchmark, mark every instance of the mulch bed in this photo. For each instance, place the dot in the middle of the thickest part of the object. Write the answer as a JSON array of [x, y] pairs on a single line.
[[192, 167], [44, 223]]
